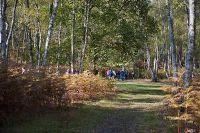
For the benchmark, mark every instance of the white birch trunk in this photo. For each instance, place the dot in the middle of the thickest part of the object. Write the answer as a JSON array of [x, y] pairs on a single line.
[[85, 38], [3, 34], [11, 27], [58, 49], [73, 38], [171, 38], [191, 44], [50, 30]]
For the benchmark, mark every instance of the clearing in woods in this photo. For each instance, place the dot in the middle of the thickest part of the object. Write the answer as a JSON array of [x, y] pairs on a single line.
[[136, 108]]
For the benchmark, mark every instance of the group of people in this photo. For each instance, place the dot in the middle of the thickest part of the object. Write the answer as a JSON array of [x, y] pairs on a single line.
[[120, 75], [109, 73]]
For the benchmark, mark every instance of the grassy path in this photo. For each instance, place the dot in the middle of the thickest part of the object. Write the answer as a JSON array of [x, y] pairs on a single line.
[[134, 109]]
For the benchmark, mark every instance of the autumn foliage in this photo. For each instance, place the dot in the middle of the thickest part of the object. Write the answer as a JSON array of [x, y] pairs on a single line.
[[39, 89], [186, 100], [87, 86]]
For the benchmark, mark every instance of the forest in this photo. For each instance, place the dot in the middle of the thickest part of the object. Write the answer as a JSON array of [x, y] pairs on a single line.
[[99, 66]]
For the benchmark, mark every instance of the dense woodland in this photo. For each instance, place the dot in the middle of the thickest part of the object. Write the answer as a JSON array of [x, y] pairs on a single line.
[[152, 36], [155, 39]]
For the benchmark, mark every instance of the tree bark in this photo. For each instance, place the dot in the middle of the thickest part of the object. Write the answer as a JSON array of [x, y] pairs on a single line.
[[50, 30], [30, 45], [191, 44], [171, 38], [11, 27], [73, 38], [37, 43], [3, 34], [148, 57], [180, 55], [152, 71], [165, 49], [58, 48], [85, 37], [156, 63], [29, 40], [38, 38]]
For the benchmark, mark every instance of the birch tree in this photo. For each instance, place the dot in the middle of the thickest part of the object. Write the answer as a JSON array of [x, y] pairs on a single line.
[[38, 35], [11, 27], [27, 30], [153, 70], [50, 29], [73, 37], [171, 39], [58, 48], [85, 36], [3, 33], [191, 44]]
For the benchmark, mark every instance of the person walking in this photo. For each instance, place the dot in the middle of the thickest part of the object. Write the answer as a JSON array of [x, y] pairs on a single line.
[[122, 75]]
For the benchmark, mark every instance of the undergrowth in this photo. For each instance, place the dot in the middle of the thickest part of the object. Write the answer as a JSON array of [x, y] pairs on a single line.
[[34, 89], [185, 100]]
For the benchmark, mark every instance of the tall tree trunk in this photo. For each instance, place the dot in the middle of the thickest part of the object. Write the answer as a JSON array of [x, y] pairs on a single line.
[[180, 55], [148, 57], [166, 61], [50, 30], [171, 38], [24, 46], [38, 37], [73, 38], [11, 27], [37, 43], [156, 63], [85, 37], [3, 34], [58, 48], [165, 48], [30, 45], [191, 44], [187, 11], [149, 67], [28, 34], [18, 50], [169, 63], [155, 70]]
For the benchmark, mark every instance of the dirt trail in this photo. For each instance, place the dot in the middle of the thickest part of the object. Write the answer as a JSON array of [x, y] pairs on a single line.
[[135, 109]]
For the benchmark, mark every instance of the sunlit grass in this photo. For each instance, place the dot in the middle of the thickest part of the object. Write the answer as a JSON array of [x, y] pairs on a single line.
[[136, 104]]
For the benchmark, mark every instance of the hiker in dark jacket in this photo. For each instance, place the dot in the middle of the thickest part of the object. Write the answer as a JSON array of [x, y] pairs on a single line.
[[122, 75]]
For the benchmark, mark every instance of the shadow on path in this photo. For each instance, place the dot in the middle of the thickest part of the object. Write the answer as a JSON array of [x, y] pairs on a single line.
[[135, 109]]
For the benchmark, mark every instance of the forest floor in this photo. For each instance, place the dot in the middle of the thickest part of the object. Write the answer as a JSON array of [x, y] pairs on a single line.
[[136, 108]]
